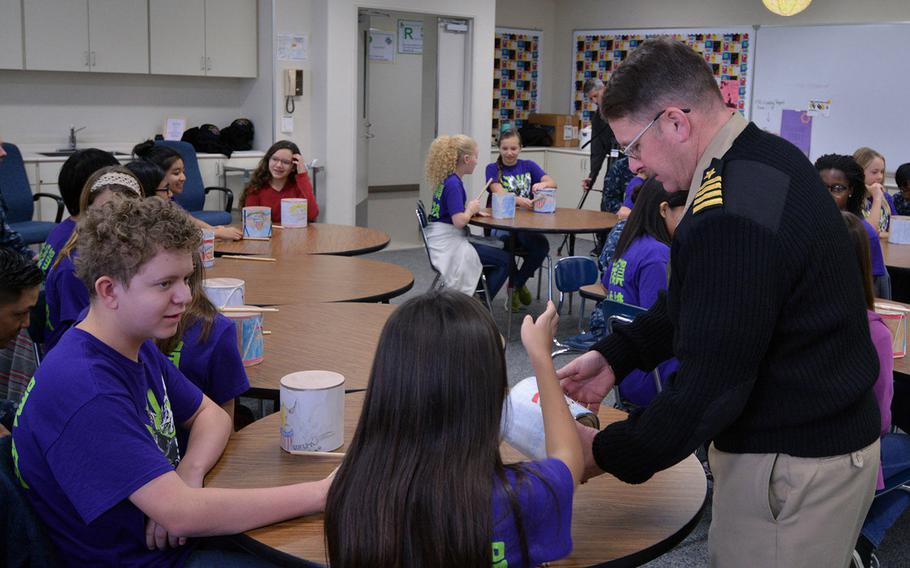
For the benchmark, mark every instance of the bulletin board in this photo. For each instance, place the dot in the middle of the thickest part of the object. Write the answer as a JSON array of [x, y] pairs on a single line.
[[729, 51], [516, 76]]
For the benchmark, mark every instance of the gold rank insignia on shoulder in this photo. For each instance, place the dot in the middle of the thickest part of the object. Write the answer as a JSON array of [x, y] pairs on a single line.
[[711, 193]]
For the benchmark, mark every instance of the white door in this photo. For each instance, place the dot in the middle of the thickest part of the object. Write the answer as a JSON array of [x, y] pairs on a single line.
[[56, 35], [118, 36], [363, 120], [11, 34], [451, 74], [177, 37], [230, 38]]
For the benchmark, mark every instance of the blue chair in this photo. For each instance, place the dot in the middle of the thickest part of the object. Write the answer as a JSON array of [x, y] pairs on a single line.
[[619, 313], [570, 274], [20, 202], [194, 191], [422, 222]]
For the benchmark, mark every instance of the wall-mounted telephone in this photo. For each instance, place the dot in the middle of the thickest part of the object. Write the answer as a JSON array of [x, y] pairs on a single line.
[[293, 87]]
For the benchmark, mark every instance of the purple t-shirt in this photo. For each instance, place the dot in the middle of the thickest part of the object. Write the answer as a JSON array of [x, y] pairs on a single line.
[[890, 200], [214, 365], [448, 199], [875, 250], [545, 501], [94, 427], [66, 297], [636, 278], [630, 189], [55, 241], [518, 178]]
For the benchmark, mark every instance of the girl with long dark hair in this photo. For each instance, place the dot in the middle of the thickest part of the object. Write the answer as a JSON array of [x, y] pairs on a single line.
[[281, 174], [423, 483]]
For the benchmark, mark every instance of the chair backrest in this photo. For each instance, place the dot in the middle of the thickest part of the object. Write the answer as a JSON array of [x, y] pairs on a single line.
[[422, 222], [14, 187], [617, 312], [571, 273], [193, 196]]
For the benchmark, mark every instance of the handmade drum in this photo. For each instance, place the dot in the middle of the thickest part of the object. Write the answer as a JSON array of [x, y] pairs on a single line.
[[249, 336], [207, 250], [312, 411], [224, 291], [504, 205], [293, 213], [257, 222], [899, 230], [545, 200], [522, 419]]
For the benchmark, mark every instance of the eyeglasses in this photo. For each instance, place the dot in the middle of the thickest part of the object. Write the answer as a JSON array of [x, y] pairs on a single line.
[[275, 160], [165, 191], [631, 149], [838, 188]]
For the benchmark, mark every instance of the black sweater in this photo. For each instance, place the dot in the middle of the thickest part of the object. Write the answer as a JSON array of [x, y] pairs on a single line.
[[766, 314]]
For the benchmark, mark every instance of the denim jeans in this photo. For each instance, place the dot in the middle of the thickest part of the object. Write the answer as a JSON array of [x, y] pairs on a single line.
[[886, 509], [535, 244], [499, 260]]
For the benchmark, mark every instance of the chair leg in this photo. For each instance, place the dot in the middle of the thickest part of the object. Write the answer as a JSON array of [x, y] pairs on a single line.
[[581, 315], [511, 290], [486, 292]]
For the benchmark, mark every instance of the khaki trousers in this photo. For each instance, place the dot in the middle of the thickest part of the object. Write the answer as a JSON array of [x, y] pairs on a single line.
[[776, 510]]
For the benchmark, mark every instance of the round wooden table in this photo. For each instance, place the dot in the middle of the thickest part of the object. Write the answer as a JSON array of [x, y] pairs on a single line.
[[563, 221], [896, 256], [336, 337], [315, 278], [613, 523], [315, 238]]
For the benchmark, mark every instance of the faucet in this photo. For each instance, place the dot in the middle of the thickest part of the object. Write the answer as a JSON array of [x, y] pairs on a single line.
[[73, 131]]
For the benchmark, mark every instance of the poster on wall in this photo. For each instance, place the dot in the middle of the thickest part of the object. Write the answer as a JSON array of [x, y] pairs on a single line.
[[293, 47], [382, 46], [410, 37], [728, 51], [516, 77]]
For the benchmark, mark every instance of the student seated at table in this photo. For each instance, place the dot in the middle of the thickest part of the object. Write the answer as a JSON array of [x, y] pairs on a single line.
[[94, 439], [171, 163], [429, 438], [281, 174], [902, 199], [895, 448], [638, 270], [151, 178], [205, 349], [460, 261], [524, 178], [878, 205], [845, 180], [65, 294], [73, 175], [20, 280]]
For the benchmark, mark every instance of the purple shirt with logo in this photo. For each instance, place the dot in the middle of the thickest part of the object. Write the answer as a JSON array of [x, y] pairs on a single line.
[[517, 178], [448, 199]]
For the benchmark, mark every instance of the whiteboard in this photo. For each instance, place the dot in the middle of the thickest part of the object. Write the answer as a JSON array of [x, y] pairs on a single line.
[[861, 69]]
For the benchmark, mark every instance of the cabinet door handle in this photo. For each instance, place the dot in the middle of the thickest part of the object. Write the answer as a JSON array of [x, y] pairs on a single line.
[[202, 63], [93, 59], [208, 63], [85, 58]]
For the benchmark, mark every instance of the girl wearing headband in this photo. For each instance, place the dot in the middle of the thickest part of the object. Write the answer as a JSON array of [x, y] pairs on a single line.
[[65, 294]]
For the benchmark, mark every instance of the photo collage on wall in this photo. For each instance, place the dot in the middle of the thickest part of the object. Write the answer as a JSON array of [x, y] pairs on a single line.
[[598, 54], [516, 66]]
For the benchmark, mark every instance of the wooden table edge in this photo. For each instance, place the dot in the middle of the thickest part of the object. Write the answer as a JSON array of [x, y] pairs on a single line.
[[479, 222]]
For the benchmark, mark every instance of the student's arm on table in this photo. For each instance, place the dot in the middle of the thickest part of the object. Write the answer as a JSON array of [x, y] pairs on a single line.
[[472, 208], [194, 511], [562, 441]]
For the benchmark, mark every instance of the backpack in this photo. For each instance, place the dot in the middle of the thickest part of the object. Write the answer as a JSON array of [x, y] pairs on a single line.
[[205, 139], [239, 135], [536, 135]]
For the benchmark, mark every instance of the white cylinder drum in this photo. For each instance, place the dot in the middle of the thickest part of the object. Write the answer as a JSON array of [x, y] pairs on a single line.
[[312, 411]]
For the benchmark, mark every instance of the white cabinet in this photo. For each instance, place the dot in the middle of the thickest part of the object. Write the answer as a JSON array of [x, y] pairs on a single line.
[[118, 36], [11, 34], [86, 35], [230, 38], [56, 35], [203, 37], [569, 169]]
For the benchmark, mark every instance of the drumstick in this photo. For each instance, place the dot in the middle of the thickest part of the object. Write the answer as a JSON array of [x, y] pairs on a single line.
[[277, 226], [316, 454], [245, 257], [256, 238], [266, 332], [485, 188], [238, 309]]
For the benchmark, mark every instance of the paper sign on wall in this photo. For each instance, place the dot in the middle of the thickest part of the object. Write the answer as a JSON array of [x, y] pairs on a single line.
[[382, 46], [293, 47], [173, 128], [410, 37], [796, 126], [820, 106]]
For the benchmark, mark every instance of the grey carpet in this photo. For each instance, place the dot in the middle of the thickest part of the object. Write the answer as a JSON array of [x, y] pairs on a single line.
[[693, 551]]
